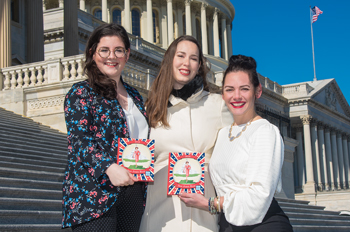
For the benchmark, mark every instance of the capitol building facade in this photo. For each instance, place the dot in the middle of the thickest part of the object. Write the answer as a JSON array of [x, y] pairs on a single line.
[[42, 42]]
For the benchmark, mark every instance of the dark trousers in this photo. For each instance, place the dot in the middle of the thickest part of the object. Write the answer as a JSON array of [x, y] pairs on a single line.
[[124, 216], [275, 220]]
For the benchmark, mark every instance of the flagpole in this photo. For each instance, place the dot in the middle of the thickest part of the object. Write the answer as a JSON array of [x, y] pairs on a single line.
[[313, 51]]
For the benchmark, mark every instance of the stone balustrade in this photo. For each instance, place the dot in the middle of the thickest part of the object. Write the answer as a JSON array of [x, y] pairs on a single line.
[[271, 85], [296, 89]]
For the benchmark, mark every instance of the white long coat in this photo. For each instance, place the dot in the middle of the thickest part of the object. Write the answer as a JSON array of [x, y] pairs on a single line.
[[194, 125]]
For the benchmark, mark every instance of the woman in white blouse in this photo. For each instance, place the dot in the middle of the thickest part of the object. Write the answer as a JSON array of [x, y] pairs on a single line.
[[246, 164]]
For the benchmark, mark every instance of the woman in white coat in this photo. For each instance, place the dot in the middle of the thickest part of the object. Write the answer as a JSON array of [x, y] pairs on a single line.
[[184, 117]]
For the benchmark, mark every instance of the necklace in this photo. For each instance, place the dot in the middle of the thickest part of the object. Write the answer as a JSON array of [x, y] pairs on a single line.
[[231, 137]]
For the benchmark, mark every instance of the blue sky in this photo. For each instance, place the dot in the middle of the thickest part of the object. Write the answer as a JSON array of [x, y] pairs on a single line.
[[278, 35]]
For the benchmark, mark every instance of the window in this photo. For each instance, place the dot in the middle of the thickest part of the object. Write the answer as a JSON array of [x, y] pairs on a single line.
[[117, 16], [98, 14], [154, 27], [199, 31], [135, 14], [15, 11], [184, 24]]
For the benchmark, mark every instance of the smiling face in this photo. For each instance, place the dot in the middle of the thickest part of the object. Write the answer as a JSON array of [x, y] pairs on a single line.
[[185, 63], [111, 66], [239, 95]]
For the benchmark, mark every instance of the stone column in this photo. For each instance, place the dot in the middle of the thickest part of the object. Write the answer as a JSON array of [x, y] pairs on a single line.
[[300, 157], [204, 28], [35, 31], [322, 153], [104, 11], [229, 40], [216, 32], [149, 22], [329, 160], [127, 16], [164, 27], [179, 20], [82, 5], [346, 160], [71, 44], [349, 158], [335, 159], [315, 155], [340, 160], [224, 53], [170, 21], [5, 34], [188, 17], [309, 187]]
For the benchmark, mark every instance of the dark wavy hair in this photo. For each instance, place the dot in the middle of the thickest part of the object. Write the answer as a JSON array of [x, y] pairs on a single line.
[[245, 64], [162, 86], [98, 81]]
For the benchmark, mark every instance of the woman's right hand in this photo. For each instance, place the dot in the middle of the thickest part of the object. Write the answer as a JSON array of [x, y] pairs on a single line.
[[119, 176]]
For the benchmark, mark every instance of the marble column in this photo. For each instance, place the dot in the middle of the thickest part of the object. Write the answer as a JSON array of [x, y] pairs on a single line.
[[188, 17], [170, 21], [335, 159], [71, 37], [179, 20], [164, 27], [229, 40], [340, 160], [82, 5], [104, 11], [150, 28], [322, 155], [346, 160], [204, 28], [300, 157], [315, 155], [309, 187], [216, 32], [224, 53], [329, 160], [127, 16], [35, 31], [5, 34]]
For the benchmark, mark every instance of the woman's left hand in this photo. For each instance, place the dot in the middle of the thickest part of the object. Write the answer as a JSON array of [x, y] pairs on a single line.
[[194, 200]]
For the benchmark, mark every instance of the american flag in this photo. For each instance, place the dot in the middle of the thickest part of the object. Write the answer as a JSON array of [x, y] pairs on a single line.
[[315, 12]]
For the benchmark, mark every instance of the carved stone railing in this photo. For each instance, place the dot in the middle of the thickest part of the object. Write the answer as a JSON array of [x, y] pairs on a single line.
[[271, 85], [297, 90]]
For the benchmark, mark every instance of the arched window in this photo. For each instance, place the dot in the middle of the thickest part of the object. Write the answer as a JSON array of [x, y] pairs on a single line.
[[117, 16], [135, 14], [98, 13]]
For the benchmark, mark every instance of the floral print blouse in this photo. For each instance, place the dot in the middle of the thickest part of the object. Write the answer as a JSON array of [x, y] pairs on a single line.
[[94, 125]]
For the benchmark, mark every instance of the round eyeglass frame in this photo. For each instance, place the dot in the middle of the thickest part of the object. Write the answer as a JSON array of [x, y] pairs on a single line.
[[109, 53]]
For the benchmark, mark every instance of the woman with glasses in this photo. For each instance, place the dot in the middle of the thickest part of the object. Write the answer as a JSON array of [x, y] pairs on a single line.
[[98, 194]]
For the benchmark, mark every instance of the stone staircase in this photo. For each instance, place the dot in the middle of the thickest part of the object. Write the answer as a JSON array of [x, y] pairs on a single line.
[[32, 162], [305, 217]]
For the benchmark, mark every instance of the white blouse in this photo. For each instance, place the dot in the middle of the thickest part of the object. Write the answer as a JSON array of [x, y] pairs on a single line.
[[247, 171], [137, 124]]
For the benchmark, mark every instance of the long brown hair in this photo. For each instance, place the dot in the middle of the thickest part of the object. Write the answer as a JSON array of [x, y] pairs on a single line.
[[158, 96], [98, 81]]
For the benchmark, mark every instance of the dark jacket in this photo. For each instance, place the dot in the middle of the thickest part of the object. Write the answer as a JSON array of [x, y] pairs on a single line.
[[94, 125]]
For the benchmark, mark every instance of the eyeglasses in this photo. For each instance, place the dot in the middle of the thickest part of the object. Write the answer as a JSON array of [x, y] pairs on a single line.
[[105, 52]]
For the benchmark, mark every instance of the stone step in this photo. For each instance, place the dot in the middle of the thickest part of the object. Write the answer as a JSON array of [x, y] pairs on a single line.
[[27, 183], [319, 222], [30, 217], [32, 227], [291, 204], [33, 131], [310, 228], [316, 216], [291, 201], [308, 211], [10, 203], [30, 193], [44, 154], [16, 162], [32, 167], [33, 144], [30, 174], [59, 158], [29, 127]]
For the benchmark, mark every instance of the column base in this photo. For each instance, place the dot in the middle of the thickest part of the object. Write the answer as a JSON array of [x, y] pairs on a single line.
[[309, 188]]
